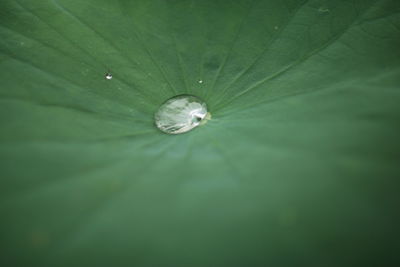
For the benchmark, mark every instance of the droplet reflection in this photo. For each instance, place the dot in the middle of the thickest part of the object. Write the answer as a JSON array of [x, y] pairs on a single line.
[[108, 76]]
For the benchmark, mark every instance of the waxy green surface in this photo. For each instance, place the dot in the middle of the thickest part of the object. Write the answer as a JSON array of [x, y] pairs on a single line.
[[299, 165]]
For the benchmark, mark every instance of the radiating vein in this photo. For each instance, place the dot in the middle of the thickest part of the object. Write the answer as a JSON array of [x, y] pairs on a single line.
[[110, 43], [91, 28], [139, 38], [277, 36], [80, 48], [47, 45], [295, 63], [181, 65], [53, 74], [236, 37]]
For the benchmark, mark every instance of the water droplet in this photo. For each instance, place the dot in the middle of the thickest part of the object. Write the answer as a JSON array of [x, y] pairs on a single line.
[[108, 76], [200, 81], [323, 10], [181, 114]]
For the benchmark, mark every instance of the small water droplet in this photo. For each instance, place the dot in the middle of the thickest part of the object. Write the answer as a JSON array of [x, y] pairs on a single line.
[[200, 81], [108, 76], [181, 114]]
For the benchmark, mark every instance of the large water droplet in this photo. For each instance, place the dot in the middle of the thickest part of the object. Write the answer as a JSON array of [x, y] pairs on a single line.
[[181, 114]]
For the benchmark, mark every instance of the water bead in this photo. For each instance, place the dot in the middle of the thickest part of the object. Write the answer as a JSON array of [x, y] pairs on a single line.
[[181, 114]]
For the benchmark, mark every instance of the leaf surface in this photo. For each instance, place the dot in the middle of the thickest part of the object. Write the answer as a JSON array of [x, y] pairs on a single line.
[[297, 167]]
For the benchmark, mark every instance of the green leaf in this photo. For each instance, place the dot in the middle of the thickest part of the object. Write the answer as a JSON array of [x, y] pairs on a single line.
[[297, 167]]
